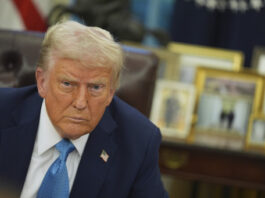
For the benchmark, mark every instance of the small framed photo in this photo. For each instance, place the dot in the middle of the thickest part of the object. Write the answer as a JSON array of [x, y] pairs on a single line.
[[167, 68], [258, 59], [225, 100], [256, 133], [191, 56], [172, 109]]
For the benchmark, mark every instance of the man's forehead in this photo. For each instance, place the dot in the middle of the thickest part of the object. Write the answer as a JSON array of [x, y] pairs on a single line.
[[74, 70], [95, 74], [94, 79]]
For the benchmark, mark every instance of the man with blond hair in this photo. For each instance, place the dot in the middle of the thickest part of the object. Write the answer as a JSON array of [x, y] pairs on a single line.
[[69, 136]]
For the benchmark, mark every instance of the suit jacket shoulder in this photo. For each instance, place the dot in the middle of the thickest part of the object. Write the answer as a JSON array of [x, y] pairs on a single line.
[[11, 100], [19, 117]]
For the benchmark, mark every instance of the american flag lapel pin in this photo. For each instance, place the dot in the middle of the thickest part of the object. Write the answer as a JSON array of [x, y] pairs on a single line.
[[104, 156]]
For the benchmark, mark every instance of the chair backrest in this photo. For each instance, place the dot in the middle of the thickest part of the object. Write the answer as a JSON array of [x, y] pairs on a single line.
[[19, 52]]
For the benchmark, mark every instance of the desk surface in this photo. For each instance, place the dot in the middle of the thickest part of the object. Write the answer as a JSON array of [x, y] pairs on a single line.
[[203, 163]]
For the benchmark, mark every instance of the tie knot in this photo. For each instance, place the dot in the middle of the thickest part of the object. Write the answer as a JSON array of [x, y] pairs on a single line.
[[64, 147]]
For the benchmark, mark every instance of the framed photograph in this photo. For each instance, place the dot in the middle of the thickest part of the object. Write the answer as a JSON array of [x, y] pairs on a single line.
[[256, 134], [189, 57], [172, 109], [167, 61], [225, 100], [258, 59]]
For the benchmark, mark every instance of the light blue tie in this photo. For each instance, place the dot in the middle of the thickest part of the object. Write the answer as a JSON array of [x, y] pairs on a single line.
[[55, 183]]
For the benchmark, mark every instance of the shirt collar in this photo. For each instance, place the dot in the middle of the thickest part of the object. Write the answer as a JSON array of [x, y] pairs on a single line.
[[48, 137]]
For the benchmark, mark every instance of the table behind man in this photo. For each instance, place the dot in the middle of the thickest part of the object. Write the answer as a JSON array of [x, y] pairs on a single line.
[[115, 147]]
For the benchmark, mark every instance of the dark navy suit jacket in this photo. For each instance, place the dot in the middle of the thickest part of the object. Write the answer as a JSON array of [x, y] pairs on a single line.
[[129, 138]]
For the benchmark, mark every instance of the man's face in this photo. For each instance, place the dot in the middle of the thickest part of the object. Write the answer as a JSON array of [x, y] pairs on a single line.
[[75, 96]]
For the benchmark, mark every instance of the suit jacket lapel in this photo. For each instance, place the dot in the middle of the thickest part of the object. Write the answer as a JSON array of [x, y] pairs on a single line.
[[17, 142], [92, 168]]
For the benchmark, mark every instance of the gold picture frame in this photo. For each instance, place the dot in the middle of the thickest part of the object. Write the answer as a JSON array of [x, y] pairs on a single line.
[[167, 60], [191, 56], [172, 109], [262, 111], [255, 139], [224, 102]]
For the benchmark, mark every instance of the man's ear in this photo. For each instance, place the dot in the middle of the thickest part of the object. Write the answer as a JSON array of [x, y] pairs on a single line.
[[41, 78]]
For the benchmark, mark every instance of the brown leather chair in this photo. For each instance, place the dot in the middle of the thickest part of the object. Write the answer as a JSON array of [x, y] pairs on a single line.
[[19, 53]]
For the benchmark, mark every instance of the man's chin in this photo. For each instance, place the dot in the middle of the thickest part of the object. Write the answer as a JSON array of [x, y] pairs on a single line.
[[73, 132]]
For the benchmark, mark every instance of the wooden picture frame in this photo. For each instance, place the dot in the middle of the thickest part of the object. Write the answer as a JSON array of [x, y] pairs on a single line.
[[224, 102], [167, 68], [191, 56], [172, 109]]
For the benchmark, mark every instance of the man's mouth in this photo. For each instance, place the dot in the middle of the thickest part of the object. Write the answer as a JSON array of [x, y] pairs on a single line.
[[77, 119]]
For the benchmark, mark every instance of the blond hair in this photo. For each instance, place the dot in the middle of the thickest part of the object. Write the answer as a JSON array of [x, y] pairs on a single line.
[[82, 43]]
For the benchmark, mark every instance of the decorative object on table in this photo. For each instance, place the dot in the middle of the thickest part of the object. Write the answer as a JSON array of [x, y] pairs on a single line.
[[255, 138], [191, 56], [172, 109], [225, 100]]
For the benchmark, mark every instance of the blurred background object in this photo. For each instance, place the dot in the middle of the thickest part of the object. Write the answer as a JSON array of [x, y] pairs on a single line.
[[115, 16], [230, 24], [24, 14]]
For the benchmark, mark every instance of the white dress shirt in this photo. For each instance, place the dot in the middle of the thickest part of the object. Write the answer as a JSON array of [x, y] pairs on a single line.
[[45, 153]]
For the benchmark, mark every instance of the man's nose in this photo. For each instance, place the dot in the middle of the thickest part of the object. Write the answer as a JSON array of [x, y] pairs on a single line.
[[81, 98]]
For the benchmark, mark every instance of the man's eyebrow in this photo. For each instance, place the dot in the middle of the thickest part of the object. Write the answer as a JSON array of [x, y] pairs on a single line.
[[67, 77], [97, 81]]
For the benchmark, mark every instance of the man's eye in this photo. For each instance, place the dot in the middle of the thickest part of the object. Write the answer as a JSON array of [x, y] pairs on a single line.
[[67, 84], [96, 87]]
